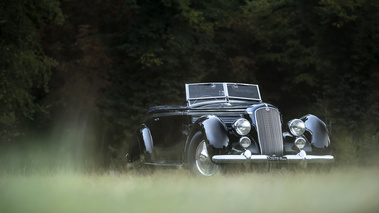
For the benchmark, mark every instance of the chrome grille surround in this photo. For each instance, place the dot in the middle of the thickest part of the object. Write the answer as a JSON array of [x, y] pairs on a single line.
[[269, 130]]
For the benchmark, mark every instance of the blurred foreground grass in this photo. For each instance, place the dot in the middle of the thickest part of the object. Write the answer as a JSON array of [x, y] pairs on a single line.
[[341, 190]]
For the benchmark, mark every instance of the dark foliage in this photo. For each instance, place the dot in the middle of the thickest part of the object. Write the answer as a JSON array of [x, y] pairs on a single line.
[[107, 61]]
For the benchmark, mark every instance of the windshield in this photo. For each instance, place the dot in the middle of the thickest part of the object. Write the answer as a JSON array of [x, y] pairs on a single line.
[[221, 92]]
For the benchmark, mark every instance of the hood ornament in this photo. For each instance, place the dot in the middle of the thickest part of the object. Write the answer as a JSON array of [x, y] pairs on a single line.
[[267, 109]]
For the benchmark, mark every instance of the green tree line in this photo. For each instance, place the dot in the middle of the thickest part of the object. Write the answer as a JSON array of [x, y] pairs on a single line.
[[88, 70]]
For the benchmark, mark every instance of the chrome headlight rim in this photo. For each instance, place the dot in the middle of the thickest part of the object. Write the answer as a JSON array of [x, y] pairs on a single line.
[[245, 142], [296, 127], [242, 126], [300, 143]]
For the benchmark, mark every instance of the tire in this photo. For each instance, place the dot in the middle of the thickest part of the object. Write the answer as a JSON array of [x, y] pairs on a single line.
[[199, 161]]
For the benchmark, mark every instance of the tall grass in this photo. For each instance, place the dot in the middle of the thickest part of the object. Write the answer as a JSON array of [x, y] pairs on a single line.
[[341, 190]]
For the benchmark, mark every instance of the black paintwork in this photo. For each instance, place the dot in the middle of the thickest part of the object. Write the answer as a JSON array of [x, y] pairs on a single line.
[[166, 133]]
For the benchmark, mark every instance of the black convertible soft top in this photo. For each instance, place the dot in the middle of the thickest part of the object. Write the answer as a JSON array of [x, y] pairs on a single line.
[[166, 108]]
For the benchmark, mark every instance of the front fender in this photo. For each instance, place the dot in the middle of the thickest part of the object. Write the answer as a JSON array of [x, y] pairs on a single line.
[[317, 128], [213, 129]]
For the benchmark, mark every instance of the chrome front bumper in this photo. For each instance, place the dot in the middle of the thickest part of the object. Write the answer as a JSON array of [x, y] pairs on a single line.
[[286, 159]]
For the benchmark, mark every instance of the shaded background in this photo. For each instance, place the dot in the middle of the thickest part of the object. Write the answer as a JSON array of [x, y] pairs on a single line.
[[77, 77]]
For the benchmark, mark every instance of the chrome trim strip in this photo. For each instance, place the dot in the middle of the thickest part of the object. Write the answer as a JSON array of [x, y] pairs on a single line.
[[226, 92], [265, 159], [187, 92]]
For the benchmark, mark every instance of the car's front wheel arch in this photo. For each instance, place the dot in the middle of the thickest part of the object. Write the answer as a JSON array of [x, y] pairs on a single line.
[[199, 160], [214, 132]]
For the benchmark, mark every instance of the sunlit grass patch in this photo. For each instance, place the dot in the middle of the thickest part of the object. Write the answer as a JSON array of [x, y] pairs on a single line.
[[341, 190]]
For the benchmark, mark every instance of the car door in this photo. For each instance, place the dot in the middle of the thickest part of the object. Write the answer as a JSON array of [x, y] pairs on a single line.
[[168, 136]]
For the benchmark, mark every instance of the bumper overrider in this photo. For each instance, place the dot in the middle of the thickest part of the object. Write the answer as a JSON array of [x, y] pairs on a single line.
[[247, 157]]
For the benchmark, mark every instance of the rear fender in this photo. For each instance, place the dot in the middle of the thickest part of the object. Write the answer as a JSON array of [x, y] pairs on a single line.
[[317, 128], [143, 145]]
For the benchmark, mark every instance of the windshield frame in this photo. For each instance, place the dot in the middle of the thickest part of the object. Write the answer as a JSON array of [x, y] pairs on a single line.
[[225, 98]]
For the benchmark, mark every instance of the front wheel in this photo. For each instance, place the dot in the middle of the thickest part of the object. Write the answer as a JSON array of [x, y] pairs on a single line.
[[199, 159]]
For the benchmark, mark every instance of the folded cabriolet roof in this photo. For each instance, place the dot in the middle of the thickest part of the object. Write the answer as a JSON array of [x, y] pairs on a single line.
[[166, 107]]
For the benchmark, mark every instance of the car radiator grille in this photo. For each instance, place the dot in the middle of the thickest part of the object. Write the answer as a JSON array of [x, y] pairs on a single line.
[[269, 130]]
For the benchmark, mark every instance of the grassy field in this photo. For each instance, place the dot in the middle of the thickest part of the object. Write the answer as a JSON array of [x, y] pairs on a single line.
[[341, 190]]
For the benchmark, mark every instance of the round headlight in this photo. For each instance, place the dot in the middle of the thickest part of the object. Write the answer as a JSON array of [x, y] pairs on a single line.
[[245, 142], [297, 127], [300, 142], [242, 126]]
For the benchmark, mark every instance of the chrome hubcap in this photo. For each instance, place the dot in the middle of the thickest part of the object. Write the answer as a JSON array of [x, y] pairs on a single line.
[[203, 163]]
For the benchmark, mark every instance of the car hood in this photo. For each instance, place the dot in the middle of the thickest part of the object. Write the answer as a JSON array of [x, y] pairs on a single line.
[[225, 106]]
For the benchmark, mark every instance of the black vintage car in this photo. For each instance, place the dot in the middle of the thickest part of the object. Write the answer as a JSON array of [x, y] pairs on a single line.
[[227, 124]]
